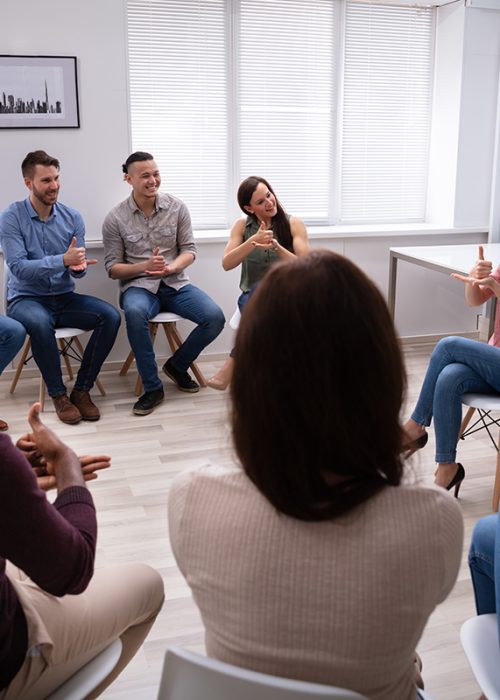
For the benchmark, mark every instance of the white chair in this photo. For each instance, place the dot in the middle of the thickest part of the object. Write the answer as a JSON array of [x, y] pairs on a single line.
[[189, 676], [235, 319], [484, 404], [168, 321], [69, 347], [89, 676], [479, 637]]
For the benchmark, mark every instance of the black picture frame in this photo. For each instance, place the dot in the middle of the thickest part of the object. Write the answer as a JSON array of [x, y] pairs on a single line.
[[38, 92]]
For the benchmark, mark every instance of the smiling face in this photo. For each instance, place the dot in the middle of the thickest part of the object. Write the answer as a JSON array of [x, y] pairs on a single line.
[[262, 204], [144, 178], [43, 186]]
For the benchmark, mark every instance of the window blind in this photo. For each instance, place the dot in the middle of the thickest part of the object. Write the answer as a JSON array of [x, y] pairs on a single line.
[[286, 105], [330, 100], [178, 99], [386, 112]]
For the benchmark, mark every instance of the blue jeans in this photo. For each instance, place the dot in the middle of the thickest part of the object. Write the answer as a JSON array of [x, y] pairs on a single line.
[[457, 366], [189, 302], [41, 315], [12, 335], [484, 563]]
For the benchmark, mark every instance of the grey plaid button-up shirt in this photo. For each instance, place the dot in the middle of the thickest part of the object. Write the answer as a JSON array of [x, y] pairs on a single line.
[[130, 237]]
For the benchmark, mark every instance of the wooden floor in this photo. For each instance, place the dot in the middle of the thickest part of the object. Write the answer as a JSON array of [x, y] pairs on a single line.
[[187, 429]]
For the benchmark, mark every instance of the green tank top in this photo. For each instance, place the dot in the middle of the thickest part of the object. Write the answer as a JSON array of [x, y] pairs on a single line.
[[257, 263]]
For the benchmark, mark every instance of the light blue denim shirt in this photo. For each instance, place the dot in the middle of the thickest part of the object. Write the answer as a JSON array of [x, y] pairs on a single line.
[[34, 249]]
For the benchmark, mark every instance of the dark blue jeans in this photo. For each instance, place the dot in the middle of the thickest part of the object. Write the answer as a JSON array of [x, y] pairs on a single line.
[[484, 563], [12, 335], [41, 315], [189, 302]]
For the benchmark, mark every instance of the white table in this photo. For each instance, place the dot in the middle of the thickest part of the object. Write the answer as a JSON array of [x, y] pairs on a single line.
[[442, 258]]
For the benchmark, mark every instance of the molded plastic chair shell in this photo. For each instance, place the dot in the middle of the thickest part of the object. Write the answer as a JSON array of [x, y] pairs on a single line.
[[479, 637], [187, 675], [84, 681]]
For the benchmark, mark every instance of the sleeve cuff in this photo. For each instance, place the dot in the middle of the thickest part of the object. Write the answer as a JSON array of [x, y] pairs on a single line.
[[74, 494]]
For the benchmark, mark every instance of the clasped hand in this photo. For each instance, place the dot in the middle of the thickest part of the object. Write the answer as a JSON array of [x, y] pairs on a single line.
[[76, 258], [264, 238], [46, 452], [156, 266]]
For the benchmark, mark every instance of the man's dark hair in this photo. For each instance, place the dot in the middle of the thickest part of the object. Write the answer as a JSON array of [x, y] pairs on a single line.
[[134, 158], [317, 388], [35, 158]]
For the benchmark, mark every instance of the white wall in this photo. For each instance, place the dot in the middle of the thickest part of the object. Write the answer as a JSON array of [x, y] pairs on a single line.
[[91, 156]]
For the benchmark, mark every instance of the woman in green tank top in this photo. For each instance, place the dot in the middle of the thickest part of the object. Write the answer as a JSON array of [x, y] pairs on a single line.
[[266, 235]]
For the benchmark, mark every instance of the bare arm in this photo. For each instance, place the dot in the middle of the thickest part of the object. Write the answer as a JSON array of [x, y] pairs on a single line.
[[237, 248], [300, 241]]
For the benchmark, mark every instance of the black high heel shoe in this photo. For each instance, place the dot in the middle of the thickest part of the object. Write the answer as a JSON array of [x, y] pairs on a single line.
[[415, 445], [457, 480]]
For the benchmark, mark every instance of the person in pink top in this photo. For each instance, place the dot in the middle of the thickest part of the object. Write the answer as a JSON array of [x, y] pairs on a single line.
[[457, 366]]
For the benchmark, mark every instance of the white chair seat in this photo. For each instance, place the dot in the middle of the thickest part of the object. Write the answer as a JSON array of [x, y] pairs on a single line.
[[166, 317], [482, 401], [84, 681], [68, 332], [479, 637], [190, 676]]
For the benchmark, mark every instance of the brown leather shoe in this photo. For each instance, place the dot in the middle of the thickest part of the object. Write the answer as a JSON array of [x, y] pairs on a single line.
[[65, 410], [3, 425], [83, 402]]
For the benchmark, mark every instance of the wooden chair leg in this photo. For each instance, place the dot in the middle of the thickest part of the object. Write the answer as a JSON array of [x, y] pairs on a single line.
[[79, 347], [20, 365], [126, 365], [63, 346], [177, 340], [41, 394], [496, 487], [465, 421]]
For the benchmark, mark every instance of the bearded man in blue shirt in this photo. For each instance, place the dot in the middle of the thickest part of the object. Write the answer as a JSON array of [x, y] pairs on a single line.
[[44, 246]]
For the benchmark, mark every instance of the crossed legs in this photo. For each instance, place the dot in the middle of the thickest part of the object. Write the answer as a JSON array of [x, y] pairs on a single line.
[[457, 366]]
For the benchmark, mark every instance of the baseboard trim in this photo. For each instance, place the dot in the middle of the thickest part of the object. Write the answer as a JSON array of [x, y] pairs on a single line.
[[433, 339]]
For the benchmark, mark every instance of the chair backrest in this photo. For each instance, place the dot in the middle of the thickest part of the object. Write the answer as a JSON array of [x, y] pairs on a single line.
[[189, 676], [479, 637], [84, 681]]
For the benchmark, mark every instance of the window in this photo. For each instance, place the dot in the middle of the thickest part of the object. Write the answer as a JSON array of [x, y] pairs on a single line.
[[328, 100]]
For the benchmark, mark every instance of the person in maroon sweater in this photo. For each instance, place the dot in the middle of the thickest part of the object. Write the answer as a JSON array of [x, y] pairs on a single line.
[[49, 549]]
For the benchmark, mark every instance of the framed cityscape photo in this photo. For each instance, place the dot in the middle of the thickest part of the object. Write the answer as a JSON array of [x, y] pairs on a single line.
[[38, 92]]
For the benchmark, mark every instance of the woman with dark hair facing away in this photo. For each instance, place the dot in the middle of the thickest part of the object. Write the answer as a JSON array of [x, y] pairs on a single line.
[[314, 561], [457, 366], [266, 235]]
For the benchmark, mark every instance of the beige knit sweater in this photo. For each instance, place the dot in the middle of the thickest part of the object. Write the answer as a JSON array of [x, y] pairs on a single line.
[[342, 602]]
